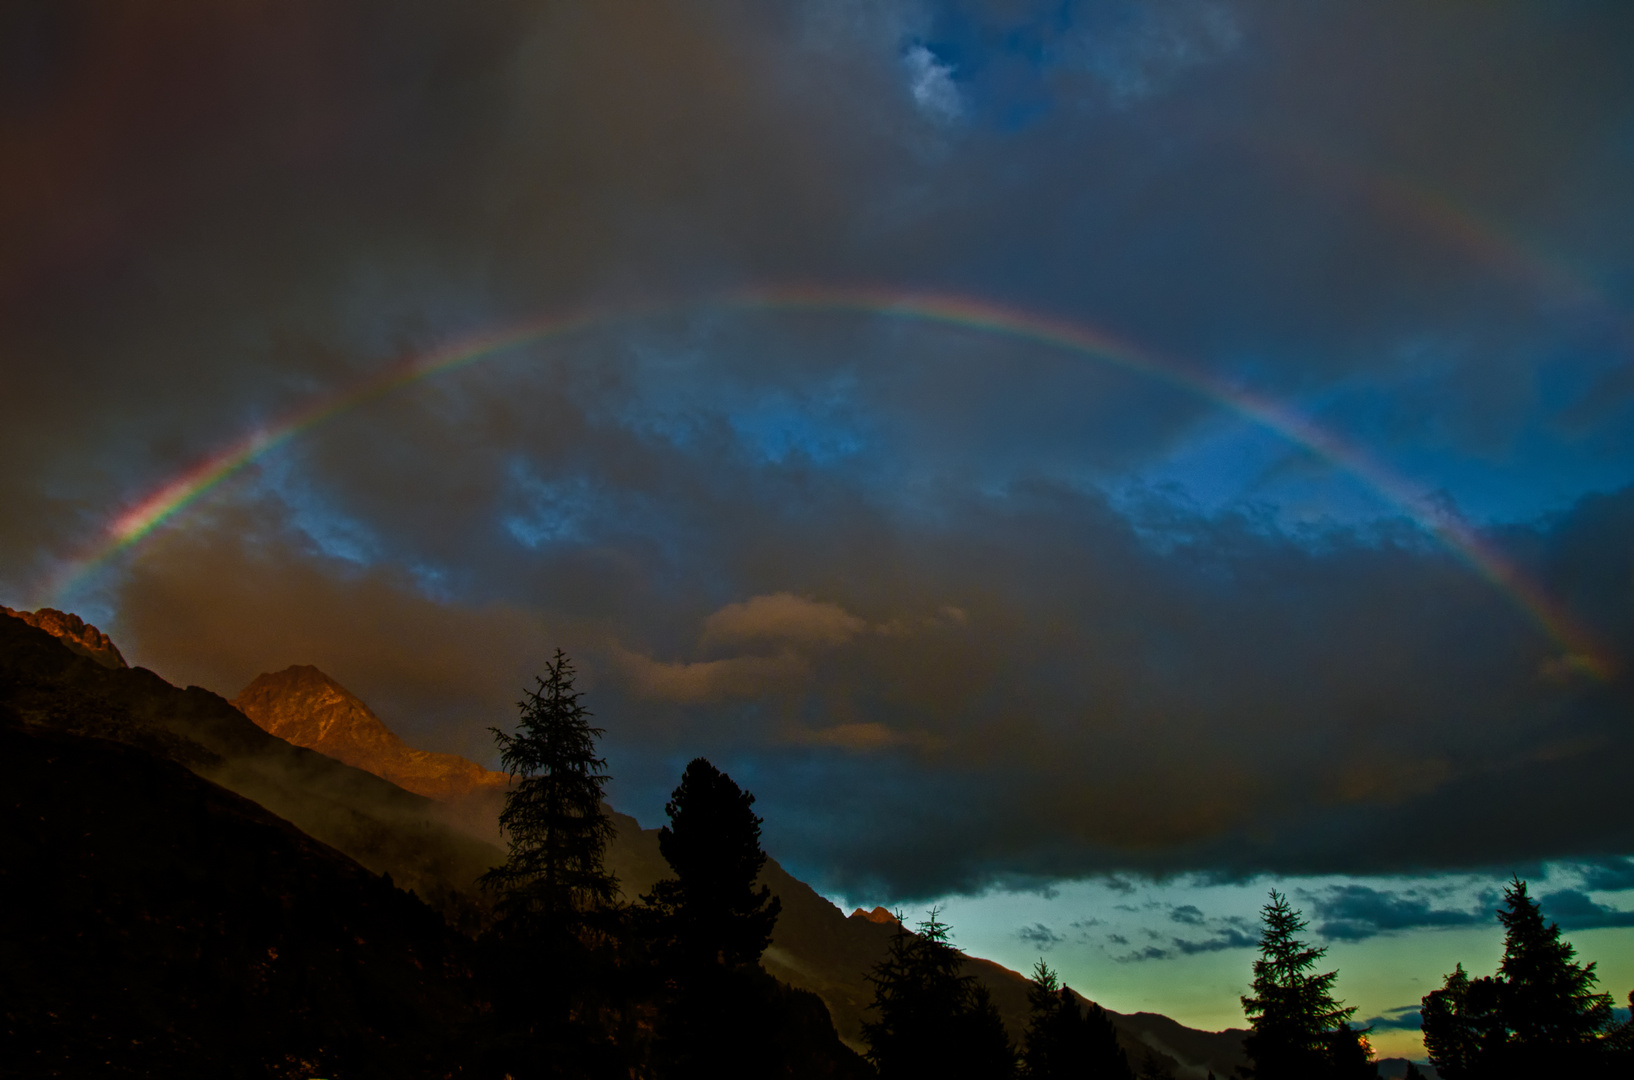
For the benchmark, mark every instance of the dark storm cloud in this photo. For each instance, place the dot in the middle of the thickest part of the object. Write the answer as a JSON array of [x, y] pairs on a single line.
[[1575, 910], [868, 566], [1358, 912], [1610, 875], [1401, 1018]]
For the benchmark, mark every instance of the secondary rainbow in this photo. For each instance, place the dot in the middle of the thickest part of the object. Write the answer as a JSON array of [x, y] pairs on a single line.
[[129, 528]]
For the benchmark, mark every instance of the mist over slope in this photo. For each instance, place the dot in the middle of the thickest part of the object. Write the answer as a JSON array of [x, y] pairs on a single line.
[[305, 707], [437, 848], [814, 946], [158, 924], [388, 830]]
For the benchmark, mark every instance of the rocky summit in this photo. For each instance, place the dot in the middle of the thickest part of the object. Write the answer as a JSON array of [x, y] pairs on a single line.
[[303, 706], [73, 632]]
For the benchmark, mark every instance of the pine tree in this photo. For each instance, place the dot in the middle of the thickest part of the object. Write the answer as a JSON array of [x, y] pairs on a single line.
[[1538, 1015], [1064, 1040], [712, 911], [711, 922], [547, 959], [553, 818], [1299, 1031], [1548, 1003], [932, 1021]]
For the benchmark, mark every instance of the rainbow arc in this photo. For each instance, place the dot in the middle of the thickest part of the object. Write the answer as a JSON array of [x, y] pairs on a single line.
[[128, 529]]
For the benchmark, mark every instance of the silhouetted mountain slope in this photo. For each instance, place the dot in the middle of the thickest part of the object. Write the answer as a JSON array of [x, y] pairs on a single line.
[[159, 925], [385, 828], [814, 947]]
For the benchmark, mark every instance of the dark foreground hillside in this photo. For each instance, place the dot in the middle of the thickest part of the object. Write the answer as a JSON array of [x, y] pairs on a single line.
[[158, 924], [415, 839]]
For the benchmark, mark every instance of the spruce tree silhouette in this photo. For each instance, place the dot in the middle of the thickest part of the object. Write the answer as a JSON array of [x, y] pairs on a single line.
[[1299, 1032], [1064, 1041], [714, 913], [1539, 1015], [933, 1022], [711, 923], [545, 957], [553, 818]]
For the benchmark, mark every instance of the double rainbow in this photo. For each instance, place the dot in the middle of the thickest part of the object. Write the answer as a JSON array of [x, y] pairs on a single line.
[[131, 527]]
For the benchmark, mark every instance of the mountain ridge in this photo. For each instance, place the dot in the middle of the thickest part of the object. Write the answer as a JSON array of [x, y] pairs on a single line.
[[815, 945], [305, 707], [438, 848], [74, 632]]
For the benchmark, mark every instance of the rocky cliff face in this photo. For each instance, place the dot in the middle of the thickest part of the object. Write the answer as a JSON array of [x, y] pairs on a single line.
[[73, 632], [303, 706]]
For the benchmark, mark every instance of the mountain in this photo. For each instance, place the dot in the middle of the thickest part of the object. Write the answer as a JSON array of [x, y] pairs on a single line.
[[73, 632], [421, 842], [303, 706], [159, 923], [120, 869], [815, 946], [437, 848]]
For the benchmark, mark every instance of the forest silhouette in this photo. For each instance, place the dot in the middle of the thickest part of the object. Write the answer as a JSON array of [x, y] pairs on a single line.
[[561, 975], [672, 986]]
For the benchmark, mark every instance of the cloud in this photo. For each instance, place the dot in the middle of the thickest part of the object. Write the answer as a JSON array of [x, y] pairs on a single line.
[[712, 681], [931, 83], [1609, 875], [1225, 938], [782, 617], [1574, 910], [869, 736], [1040, 936], [1150, 952], [1358, 912], [1187, 913], [967, 605], [1401, 1018]]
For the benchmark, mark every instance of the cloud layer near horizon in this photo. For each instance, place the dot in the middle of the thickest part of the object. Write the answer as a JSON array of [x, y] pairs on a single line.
[[961, 608]]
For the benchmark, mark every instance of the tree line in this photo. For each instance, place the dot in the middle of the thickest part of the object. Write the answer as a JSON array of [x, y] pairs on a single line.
[[671, 986]]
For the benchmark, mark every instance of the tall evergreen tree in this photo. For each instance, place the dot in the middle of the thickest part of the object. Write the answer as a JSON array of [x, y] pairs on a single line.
[[1064, 1041], [1299, 1032], [547, 958], [712, 921], [1539, 1014], [1548, 1003], [933, 1021], [713, 912], [553, 818]]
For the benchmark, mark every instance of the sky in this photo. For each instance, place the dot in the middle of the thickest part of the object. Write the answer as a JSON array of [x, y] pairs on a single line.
[[1082, 464]]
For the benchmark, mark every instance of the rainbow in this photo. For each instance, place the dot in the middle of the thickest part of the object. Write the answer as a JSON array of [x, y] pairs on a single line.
[[131, 527]]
